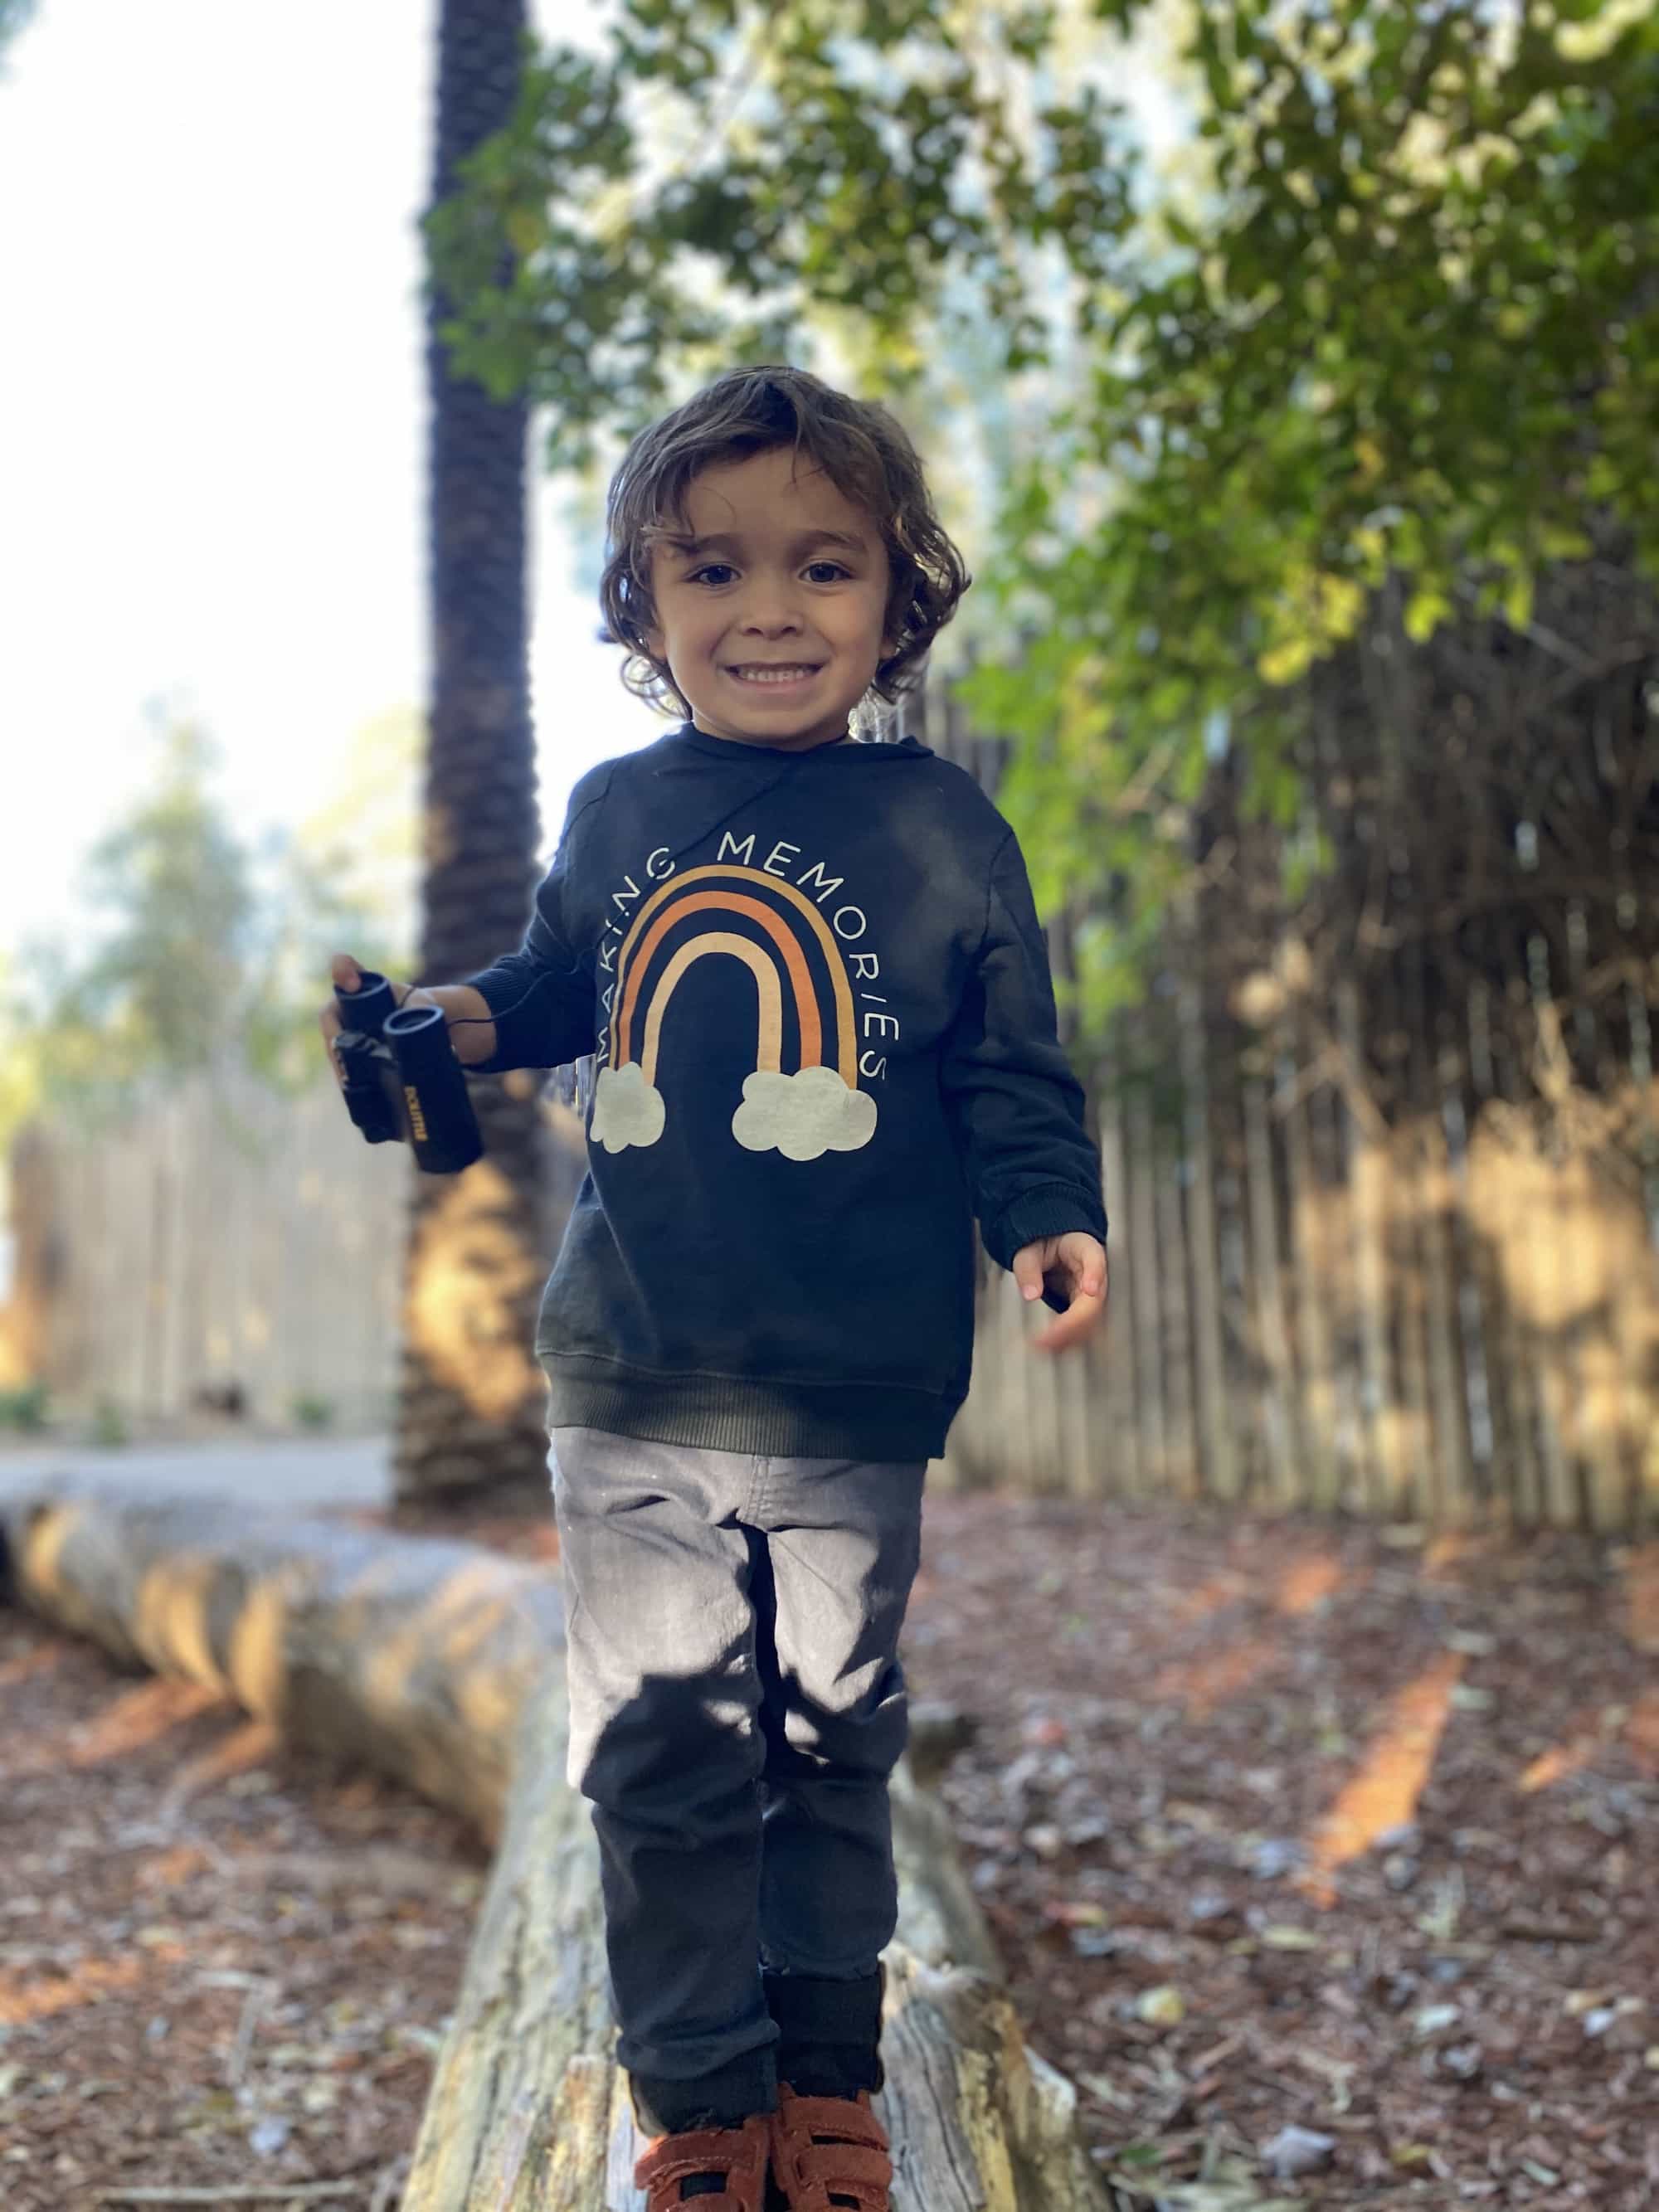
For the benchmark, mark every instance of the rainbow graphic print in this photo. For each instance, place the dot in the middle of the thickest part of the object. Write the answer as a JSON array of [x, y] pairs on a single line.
[[791, 953]]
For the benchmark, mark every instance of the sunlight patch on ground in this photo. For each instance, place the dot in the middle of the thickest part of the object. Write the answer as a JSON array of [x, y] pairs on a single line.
[[1642, 1730], [1307, 1583], [234, 1753], [1453, 1549], [135, 1718], [1641, 1581], [1555, 1764], [1200, 1685], [1383, 1791], [1222, 1589], [90, 1979], [174, 1868], [22, 1666]]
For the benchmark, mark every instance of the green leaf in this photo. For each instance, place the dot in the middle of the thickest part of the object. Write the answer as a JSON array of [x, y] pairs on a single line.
[[1426, 608], [1518, 600]]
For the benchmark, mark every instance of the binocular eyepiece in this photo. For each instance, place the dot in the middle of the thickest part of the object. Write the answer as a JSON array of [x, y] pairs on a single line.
[[402, 1079]]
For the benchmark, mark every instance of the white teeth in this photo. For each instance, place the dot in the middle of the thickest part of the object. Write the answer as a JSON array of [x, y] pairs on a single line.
[[772, 675]]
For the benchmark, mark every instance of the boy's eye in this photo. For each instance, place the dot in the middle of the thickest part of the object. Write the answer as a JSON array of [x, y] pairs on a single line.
[[718, 571]]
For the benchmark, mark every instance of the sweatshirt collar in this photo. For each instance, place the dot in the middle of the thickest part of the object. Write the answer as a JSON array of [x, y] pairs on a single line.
[[727, 749]]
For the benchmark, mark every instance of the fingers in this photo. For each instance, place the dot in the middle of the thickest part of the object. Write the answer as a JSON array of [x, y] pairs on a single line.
[[1080, 1320], [1075, 1262], [1086, 1265], [1083, 1257], [346, 975]]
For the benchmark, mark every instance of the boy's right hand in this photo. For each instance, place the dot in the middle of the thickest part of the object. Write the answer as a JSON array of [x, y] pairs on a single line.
[[472, 1025], [347, 975]]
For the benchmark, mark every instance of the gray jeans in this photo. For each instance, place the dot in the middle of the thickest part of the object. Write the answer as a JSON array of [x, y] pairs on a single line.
[[736, 1706]]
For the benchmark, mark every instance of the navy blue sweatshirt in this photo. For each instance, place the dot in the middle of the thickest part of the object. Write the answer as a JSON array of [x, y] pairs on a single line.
[[819, 1004]]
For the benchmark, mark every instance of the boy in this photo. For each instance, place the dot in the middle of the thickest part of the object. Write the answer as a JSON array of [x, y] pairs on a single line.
[[811, 976]]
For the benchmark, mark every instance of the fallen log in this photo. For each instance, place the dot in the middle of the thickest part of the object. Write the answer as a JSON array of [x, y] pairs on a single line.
[[413, 1655], [441, 1664]]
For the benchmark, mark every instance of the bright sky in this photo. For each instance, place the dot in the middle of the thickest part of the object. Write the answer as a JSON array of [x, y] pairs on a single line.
[[212, 441]]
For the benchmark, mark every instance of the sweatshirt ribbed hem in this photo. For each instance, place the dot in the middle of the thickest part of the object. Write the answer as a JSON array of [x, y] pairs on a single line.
[[819, 1420]]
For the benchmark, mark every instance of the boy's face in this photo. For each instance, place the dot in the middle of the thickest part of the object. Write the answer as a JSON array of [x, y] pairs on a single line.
[[773, 570]]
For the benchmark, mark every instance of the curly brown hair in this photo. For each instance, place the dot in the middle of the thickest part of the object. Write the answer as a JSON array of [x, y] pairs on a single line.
[[861, 447]]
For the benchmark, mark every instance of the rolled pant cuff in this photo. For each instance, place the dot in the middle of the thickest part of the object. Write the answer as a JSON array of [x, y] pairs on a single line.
[[725, 2099]]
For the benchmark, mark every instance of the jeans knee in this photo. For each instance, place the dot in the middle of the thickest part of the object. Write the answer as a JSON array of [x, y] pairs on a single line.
[[677, 1748], [863, 1743]]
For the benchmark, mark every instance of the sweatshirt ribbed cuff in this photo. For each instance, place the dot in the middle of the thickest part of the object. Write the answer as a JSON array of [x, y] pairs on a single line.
[[518, 1037], [1053, 1209]]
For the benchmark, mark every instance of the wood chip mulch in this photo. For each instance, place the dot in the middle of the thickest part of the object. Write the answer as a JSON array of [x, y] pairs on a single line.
[[1323, 1859], [222, 1967]]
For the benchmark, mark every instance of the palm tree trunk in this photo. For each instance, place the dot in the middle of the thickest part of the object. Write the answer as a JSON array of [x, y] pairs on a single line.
[[471, 1414]]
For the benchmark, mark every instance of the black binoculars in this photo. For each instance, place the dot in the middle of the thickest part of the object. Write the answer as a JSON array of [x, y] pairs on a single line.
[[402, 1079]]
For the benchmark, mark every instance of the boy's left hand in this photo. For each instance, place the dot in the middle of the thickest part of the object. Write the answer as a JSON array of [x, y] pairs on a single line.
[[1073, 1267]]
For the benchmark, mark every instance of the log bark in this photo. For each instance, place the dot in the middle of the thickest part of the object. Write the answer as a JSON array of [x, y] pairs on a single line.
[[442, 1664]]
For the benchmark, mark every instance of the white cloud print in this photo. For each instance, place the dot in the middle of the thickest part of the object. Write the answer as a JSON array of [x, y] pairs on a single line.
[[627, 1109], [803, 1116]]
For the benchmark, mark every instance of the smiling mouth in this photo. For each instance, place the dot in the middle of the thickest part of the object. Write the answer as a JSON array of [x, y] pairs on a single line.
[[776, 673]]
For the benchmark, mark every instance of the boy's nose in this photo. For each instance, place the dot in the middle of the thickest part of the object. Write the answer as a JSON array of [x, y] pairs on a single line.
[[769, 606]]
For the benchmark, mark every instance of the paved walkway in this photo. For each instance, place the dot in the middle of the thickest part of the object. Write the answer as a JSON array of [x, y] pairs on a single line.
[[312, 1472]]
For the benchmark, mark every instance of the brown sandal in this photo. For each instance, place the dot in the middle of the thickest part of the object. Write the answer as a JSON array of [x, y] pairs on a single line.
[[830, 2152], [738, 2155]]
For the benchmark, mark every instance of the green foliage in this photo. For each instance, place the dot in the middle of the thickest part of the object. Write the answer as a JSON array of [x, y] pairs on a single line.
[[158, 987], [110, 1429], [724, 176], [311, 908], [27, 1409], [201, 952], [1410, 327], [312, 1412], [1402, 324]]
